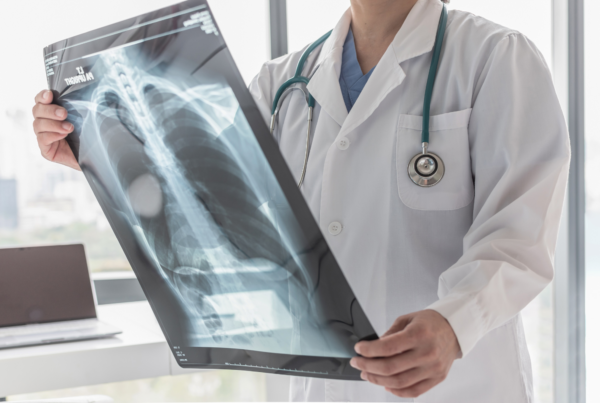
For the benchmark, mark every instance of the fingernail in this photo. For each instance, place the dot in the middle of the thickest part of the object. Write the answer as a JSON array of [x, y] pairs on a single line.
[[357, 348], [61, 113], [363, 376], [353, 363], [67, 126], [47, 95]]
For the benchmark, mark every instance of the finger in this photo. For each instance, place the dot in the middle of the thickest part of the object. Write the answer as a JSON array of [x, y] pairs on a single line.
[[61, 153], [47, 138], [416, 390], [44, 97], [386, 346], [399, 325], [52, 112], [399, 381], [47, 125], [387, 366]]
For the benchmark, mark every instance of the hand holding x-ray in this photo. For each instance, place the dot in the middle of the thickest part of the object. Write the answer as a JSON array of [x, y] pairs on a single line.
[[51, 130]]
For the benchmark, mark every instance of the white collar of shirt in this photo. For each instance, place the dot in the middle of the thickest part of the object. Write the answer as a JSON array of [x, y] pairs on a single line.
[[415, 37]]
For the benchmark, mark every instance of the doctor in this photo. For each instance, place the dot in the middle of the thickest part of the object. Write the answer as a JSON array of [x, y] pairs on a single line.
[[441, 271]]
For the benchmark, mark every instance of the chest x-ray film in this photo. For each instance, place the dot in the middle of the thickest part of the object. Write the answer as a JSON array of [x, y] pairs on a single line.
[[203, 204]]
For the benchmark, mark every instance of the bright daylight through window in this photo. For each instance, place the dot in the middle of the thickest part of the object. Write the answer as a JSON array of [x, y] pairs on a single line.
[[43, 203]]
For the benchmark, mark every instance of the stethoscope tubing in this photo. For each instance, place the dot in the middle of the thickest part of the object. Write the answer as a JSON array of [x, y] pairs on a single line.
[[439, 40], [298, 78], [284, 89]]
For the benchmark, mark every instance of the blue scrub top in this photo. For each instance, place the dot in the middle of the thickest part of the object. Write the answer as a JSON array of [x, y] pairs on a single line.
[[352, 80]]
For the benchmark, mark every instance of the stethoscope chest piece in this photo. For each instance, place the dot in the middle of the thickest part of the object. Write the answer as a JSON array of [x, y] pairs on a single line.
[[426, 169]]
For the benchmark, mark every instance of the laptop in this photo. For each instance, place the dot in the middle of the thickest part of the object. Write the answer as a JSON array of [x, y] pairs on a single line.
[[46, 296]]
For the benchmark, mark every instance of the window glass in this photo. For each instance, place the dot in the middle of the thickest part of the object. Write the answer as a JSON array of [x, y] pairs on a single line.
[[245, 26], [42, 202], [308, 20], [592, 189]]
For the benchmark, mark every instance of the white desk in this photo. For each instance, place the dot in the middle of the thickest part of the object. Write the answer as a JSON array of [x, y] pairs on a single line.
[[139, 352]]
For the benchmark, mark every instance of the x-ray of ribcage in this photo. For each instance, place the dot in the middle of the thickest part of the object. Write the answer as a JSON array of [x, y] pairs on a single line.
[[176, 163]]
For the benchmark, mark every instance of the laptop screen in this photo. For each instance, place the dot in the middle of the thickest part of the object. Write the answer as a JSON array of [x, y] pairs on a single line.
[[44, 284]]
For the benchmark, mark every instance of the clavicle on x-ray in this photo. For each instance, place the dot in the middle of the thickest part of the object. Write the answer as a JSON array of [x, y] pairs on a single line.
[[230, 258]]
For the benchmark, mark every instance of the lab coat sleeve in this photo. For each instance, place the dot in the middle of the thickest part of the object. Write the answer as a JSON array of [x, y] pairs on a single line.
[[260, 89], [519, 155]]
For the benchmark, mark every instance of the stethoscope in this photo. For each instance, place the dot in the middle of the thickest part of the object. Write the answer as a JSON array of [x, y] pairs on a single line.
[[426, 168]]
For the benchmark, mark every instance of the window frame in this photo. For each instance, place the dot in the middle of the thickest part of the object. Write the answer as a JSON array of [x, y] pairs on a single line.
[[569, 285]]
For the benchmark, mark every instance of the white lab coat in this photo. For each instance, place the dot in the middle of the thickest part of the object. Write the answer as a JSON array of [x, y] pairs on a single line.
[[478, 246]]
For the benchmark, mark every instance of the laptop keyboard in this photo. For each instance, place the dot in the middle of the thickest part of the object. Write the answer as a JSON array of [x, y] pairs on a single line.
[[72, 325]]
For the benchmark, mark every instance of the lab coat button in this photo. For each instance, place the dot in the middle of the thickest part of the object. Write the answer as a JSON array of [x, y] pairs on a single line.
[[335, 228], [343, 143]]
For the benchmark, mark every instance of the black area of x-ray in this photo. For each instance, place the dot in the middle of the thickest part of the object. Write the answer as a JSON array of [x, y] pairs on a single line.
[[226, 250]]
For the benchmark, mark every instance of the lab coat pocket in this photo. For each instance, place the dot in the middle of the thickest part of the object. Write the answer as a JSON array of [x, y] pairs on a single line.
[[449, 139]]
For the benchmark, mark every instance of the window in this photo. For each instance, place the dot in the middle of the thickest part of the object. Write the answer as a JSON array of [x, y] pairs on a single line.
[[306, 25], [41, 202], [592, 189], [44, 203]]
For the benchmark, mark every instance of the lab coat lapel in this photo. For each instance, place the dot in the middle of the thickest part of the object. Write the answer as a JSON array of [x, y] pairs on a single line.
[[324, 84], [387, 75], [415, 37]]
